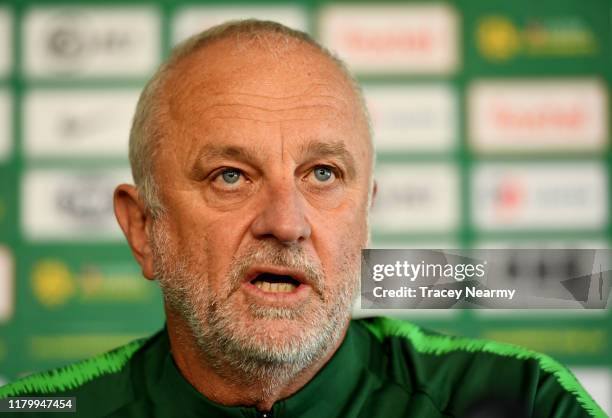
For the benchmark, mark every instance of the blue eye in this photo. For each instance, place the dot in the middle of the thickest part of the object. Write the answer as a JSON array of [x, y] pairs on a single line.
[[230, 175], [323, 173]]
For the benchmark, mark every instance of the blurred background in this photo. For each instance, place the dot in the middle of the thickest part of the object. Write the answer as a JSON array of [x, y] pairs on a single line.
[[491, 120]]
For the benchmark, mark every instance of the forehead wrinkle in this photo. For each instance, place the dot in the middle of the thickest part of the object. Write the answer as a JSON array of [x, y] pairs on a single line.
[[312, 91], [201, 102], [274, 115], [185, 93], [282, 142], [263, 120], [201, 96]]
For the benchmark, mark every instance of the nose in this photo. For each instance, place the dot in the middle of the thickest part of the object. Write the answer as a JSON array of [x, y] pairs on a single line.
[[283, 216]]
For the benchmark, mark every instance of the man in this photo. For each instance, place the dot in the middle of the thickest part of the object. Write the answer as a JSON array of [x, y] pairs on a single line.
[[252, 159]]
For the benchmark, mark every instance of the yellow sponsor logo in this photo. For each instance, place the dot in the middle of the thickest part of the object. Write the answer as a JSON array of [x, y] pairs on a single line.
[[118, 284], [500, 39], [52, 283], [497, 38]]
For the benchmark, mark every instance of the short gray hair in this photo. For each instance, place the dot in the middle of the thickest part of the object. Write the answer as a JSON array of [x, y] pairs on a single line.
[[147, 132]]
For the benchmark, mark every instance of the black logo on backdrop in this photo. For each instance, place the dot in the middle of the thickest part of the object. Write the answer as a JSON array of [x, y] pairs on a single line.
[[71, 38], [87, 199]]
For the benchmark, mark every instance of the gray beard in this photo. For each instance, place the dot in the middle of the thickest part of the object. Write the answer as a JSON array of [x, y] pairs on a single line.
[[242, 354]]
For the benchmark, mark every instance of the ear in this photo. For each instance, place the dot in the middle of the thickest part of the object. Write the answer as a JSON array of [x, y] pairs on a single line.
[[135, 222]]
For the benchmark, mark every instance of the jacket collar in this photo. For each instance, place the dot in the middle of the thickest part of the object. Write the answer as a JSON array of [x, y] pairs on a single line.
[[326, 394]]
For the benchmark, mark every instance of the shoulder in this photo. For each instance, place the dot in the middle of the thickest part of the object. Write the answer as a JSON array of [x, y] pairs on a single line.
[[457, 372], [100, 384]]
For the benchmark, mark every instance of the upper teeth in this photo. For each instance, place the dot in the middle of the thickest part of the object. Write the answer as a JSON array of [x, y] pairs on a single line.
[[274, 287]]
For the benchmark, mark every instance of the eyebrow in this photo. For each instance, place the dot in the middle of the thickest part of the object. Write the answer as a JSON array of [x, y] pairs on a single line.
[[311, 150], [226, 151], [211, 152], [315, 149]]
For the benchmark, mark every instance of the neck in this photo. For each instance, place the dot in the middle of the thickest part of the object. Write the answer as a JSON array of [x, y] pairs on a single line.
[[217, 380]]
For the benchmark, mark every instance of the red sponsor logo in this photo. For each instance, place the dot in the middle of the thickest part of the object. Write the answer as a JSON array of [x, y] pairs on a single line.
[[509, 198], [421, 41], [508, 117]]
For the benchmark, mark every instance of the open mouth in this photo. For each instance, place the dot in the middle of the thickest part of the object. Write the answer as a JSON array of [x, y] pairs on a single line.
[[275, 283]]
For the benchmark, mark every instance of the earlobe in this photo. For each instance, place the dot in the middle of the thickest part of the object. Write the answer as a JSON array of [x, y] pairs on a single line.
[[135, 224]]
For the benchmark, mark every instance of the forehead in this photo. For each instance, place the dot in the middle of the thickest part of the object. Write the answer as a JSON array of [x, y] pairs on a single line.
[[272, 66], [238, 87]]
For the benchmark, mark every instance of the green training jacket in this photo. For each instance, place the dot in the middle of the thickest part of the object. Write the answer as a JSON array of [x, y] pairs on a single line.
[[384, 368]]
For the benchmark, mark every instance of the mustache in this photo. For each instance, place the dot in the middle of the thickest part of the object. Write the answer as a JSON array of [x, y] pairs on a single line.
[[275, 254]]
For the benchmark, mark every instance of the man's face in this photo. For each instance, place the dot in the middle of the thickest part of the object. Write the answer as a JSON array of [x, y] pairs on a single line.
[[264, 174]]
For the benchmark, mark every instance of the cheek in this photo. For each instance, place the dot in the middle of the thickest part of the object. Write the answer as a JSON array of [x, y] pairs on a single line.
[[195, 242], [329, 199], [340, 240]]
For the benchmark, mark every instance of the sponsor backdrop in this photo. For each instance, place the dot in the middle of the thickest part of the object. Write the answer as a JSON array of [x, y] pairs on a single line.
[[492, 124]]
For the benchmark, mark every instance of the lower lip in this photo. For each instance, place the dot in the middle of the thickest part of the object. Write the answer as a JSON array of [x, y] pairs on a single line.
[[297, 295]]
